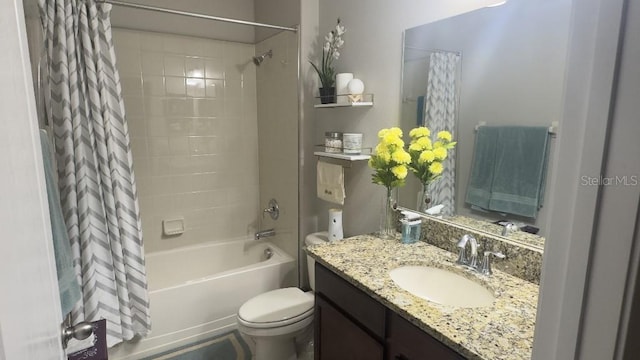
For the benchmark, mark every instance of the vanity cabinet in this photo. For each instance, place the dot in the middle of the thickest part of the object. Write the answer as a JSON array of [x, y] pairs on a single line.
[[351, 325], [348, 323], [405, 341]]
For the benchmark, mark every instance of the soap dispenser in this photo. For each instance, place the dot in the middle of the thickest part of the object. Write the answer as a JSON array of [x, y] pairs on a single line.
[[411, 225]]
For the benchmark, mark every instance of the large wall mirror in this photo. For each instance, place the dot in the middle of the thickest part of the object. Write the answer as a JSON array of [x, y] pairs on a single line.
[[497, 66]]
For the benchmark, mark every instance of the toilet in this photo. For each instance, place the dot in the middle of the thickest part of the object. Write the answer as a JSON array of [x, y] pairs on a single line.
[[274, 319]]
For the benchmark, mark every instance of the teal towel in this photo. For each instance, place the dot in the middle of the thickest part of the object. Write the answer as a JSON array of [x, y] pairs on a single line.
[[67, 280], [481, 179], [509, 171], [520, 170]]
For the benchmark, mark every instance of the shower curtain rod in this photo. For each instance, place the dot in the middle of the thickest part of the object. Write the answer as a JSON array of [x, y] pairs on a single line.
[[196, 15]]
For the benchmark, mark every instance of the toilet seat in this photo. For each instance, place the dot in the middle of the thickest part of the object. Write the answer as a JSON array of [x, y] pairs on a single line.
[[276, 308]]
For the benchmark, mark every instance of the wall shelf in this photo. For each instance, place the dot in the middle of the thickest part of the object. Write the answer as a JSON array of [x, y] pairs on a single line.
[[348, 157], [366, 100]]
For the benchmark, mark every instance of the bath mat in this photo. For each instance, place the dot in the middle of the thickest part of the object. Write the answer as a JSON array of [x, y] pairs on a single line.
[[229, 346]]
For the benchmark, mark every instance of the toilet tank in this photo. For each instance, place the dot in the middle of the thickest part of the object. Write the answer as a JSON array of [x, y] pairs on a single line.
[[313, 239]]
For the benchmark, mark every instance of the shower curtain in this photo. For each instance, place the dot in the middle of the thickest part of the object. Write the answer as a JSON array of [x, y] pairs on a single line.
[[95, 174], [440, 112]]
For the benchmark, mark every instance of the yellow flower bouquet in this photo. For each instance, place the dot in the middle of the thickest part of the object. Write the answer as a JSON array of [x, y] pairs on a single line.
[[390, 164], [427, 156], [389, 159]]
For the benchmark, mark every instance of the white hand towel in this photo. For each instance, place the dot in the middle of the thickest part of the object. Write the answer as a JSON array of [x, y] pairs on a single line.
[[330, 181]]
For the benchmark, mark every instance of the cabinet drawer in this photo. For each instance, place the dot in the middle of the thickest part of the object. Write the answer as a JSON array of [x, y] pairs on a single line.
[[360, 306], [405, 341]]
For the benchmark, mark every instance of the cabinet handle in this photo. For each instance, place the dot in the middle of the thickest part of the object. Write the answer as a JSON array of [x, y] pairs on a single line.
[[401, 357]]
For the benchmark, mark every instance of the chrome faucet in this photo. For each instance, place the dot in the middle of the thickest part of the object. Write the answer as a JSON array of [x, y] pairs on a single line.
[[265, 233], [508, 228], [485, 268], [472, 262]]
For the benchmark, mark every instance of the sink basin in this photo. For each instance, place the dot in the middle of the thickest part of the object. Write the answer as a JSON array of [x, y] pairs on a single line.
[[441, 286]]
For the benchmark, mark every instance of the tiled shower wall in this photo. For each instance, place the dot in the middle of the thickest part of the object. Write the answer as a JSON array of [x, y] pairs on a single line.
[[191, 108]]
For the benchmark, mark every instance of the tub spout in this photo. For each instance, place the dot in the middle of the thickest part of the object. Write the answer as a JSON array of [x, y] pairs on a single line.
[[265, 233]]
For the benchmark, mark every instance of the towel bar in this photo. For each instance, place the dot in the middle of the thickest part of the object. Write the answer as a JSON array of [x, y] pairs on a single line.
[[552, 129]]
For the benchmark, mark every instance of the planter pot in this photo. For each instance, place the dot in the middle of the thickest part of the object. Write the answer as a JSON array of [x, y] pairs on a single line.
[[327, 95]]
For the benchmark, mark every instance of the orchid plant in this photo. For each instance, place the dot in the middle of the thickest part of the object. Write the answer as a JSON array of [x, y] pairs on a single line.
[[330, 52]]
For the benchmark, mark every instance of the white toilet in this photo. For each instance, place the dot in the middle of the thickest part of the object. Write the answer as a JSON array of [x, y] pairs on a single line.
[[274, 319]]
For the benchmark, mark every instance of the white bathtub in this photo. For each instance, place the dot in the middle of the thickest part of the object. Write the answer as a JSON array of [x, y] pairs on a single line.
[[196, 291]]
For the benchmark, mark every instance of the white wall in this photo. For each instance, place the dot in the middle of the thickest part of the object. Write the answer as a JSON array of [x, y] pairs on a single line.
[[191, 109], [619, 209], [275, 12], [123, 17]]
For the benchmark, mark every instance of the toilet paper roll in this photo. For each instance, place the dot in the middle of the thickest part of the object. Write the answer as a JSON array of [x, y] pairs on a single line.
[[342, 87]]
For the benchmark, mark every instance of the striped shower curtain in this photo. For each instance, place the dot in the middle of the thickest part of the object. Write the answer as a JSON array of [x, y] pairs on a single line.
[[95, 174], [441, 103]]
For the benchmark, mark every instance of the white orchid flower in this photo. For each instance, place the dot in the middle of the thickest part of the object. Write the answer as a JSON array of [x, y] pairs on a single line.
[[340, 30], [329, 37], [339, 43], [336, 55], [327, 46]]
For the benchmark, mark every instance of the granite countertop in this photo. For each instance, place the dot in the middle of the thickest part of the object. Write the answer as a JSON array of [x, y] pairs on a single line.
[[502, 331]]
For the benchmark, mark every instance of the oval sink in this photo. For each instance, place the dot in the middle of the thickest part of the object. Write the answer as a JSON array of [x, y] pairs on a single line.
[[441, 286]]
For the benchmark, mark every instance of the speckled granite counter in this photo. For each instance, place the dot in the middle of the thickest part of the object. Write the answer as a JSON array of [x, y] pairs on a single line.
[[502, 331]]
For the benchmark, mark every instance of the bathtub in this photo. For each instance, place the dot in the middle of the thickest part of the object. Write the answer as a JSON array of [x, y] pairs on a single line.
[[196, 291]]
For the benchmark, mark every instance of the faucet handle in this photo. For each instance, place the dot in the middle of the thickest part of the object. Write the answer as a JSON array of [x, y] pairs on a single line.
[[509, 228], [272, 209], [485, 268]]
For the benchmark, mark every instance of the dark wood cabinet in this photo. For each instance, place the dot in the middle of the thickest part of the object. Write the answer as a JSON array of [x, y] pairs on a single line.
[[351, 325], [405, 341], [339, 338]]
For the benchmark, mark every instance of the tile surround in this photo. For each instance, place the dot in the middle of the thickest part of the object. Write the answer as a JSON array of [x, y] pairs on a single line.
[[186, 102]]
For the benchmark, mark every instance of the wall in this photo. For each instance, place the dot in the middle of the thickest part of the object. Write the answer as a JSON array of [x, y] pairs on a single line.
[[372, 51], [277, 80], [614, 258], [275, 12], [123, 17], [513, 62], [191, 109]]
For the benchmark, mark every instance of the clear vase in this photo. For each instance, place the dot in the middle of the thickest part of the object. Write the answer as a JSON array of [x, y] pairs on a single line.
[[424, 201], [387, 216]]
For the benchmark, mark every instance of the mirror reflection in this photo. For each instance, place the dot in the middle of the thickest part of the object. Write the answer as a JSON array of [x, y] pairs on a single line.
[[494, 78]]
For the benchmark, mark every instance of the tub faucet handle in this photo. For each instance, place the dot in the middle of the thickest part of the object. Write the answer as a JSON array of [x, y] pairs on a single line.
[[272, 209]]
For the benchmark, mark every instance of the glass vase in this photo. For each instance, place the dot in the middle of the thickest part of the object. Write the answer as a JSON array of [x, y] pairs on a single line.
[[424, 201], [387, 216]]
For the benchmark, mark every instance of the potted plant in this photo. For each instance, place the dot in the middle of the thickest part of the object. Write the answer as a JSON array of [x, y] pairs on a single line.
[[325, 69]]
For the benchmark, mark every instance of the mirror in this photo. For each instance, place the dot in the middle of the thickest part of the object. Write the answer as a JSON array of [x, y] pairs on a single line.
[[508, 64]]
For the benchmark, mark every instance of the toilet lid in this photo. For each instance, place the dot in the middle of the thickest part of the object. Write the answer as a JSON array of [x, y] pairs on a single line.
[[277, 305]]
